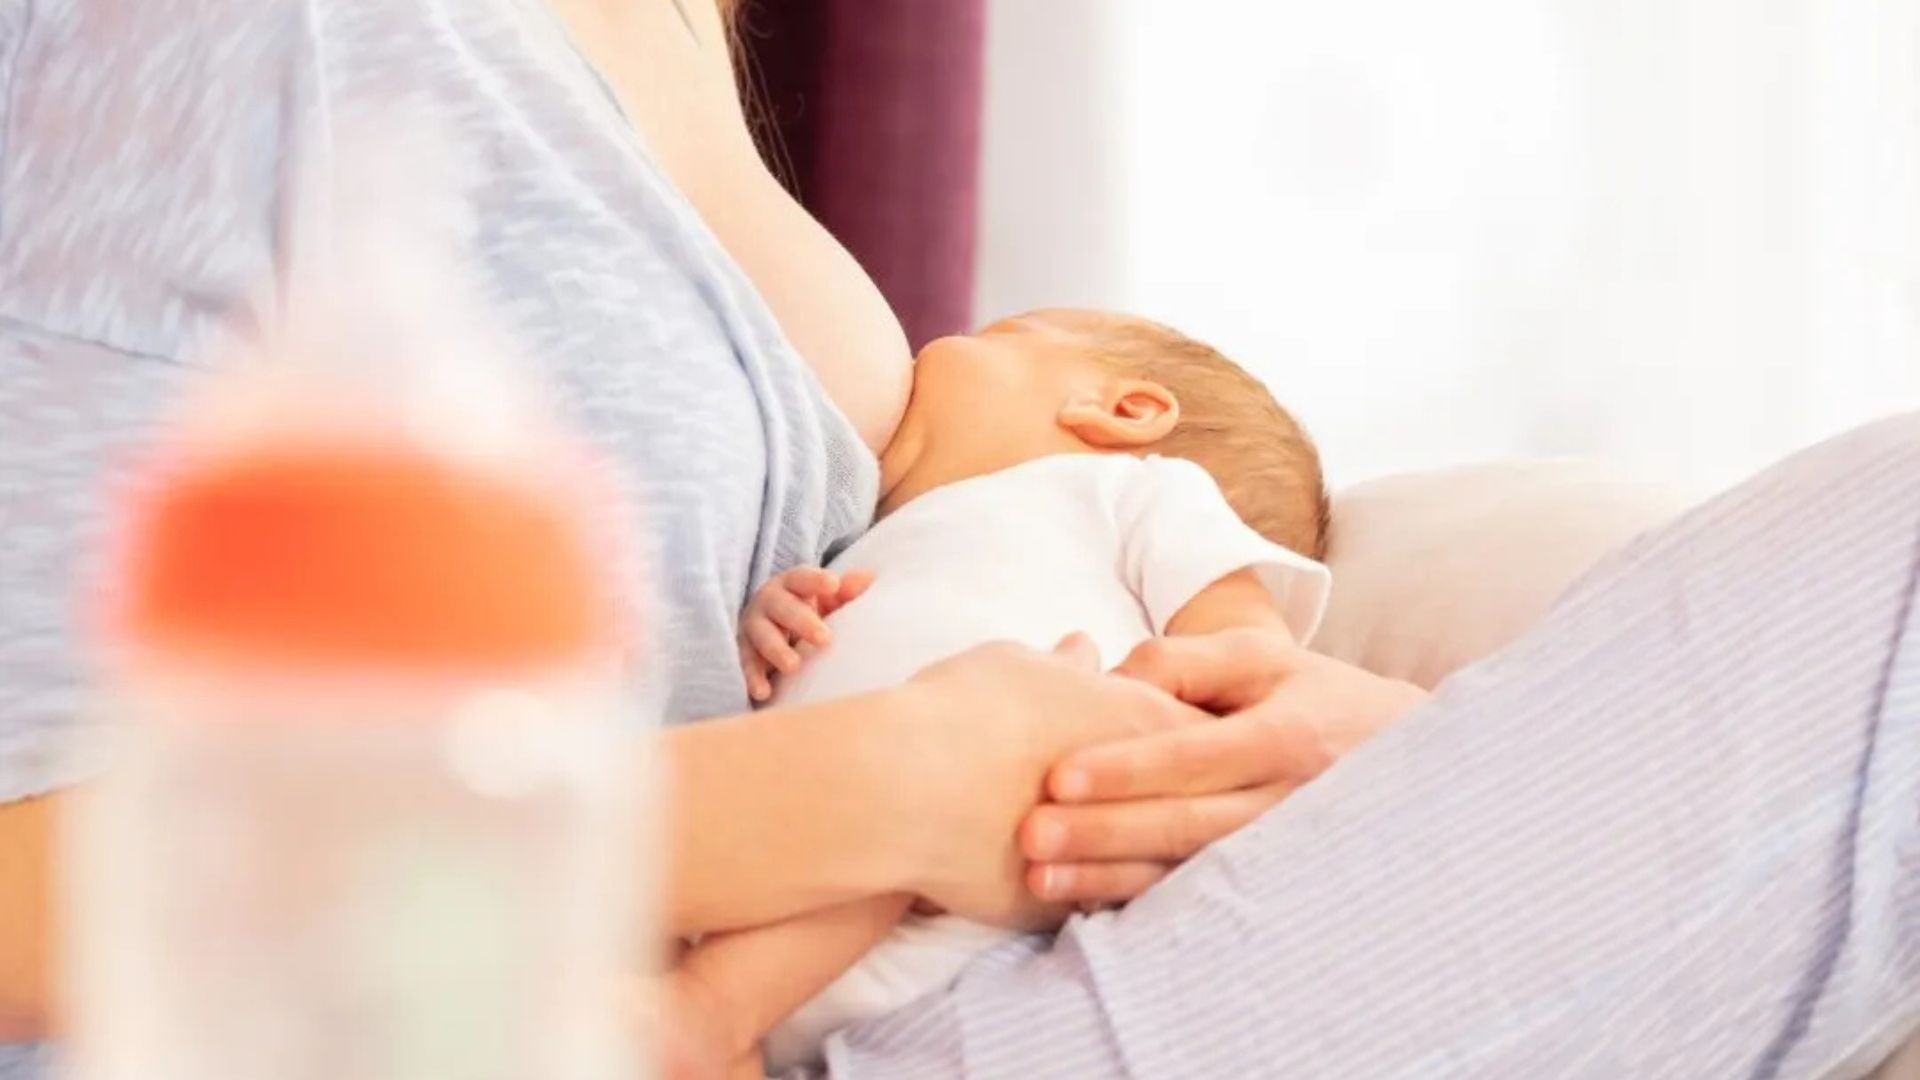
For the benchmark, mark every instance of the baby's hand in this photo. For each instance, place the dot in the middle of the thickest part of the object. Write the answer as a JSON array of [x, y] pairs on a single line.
[[791, 608]]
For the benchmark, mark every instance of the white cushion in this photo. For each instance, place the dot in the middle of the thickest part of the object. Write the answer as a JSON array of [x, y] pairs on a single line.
[[1434, 570]]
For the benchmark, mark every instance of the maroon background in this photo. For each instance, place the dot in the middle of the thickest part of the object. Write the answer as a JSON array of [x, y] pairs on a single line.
[[870, 111]]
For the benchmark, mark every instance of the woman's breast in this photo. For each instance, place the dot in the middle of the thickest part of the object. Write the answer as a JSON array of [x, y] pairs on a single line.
[[669, 65], [732, 463], [733, 459], [827, 306]]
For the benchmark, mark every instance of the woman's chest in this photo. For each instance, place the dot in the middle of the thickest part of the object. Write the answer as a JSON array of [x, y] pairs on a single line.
[[668, 63]]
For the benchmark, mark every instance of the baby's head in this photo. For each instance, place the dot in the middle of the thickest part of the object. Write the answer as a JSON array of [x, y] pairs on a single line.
[[1067, 381]]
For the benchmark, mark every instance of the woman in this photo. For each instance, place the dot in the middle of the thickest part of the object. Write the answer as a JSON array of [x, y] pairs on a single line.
[[150, 193], [732, 360]]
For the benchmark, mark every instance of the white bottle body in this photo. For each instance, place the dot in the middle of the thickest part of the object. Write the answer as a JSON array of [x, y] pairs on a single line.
[[323, 877]]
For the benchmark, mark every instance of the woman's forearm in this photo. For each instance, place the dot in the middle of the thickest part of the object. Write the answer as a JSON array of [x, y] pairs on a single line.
[[767, 815], [26, 919], [779, 812]]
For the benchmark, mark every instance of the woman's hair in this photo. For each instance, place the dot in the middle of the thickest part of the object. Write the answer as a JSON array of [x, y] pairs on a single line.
[[1231, 426], [750, 83]]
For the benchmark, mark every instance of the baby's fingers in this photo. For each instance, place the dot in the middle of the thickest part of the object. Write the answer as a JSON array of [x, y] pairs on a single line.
[[758, 672], [771, 643], [851, 587], [796, 617], [810, 582]]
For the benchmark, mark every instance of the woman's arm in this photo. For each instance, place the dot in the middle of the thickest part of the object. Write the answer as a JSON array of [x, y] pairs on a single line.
[[916, 789], [773, 813], [745, 984], [810, 777], [26, 917]]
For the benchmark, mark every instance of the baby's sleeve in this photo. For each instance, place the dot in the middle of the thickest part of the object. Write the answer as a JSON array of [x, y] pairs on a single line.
[[1179, 535]]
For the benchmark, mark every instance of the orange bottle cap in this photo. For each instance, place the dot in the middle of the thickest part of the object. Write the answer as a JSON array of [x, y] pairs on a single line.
[[361, 553]]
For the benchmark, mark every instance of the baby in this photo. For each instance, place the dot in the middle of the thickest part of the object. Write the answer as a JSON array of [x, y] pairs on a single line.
[[1060, 471]]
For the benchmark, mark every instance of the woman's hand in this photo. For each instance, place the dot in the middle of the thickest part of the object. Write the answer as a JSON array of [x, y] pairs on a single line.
[[990, 722], [1125, 813]]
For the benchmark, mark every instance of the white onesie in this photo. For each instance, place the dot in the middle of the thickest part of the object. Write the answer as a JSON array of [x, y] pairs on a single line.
[[1108, 544]]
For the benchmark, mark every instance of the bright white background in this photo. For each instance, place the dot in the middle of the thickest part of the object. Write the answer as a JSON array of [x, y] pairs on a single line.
[[1682, 235]]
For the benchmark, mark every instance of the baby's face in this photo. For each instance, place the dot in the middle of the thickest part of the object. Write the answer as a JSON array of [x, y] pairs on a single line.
[[993, 399], [1014, 372]]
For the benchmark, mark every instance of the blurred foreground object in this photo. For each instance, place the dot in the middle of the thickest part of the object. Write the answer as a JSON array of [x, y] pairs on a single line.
[[367, 811]]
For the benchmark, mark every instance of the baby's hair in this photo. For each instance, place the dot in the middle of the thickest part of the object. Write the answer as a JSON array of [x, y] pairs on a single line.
[[1231, 426]]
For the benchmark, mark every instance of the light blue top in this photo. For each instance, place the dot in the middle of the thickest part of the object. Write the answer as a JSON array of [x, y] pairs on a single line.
[[149, 151]]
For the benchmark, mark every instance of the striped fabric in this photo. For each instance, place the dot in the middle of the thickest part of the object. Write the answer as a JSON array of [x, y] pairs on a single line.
[[1675, 832]]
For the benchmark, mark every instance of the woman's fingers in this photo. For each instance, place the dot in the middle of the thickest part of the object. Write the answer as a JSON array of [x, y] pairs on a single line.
[[797, 617], [1256, 747], [1099, 883], [1157, 830], [993, 720], [1223, 671]]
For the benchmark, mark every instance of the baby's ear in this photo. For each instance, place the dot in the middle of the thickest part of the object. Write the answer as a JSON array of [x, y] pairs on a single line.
[[1127, 414]]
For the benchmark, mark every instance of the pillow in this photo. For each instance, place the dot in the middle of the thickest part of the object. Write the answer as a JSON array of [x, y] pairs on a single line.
[[1434, 570]]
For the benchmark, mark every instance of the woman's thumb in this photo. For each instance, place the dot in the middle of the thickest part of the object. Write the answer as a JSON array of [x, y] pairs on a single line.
[[1078, 650]]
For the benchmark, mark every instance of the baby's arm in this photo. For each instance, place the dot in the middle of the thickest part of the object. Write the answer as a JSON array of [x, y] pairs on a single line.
[[1238, 601], [793, 607], [1197, 568], [746, 982]]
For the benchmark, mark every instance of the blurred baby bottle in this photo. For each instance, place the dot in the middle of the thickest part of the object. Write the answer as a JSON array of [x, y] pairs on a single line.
[[368, 806]]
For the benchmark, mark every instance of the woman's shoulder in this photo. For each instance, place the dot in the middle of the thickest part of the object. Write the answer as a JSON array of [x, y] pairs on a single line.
[[75, 413], [163, 161]]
